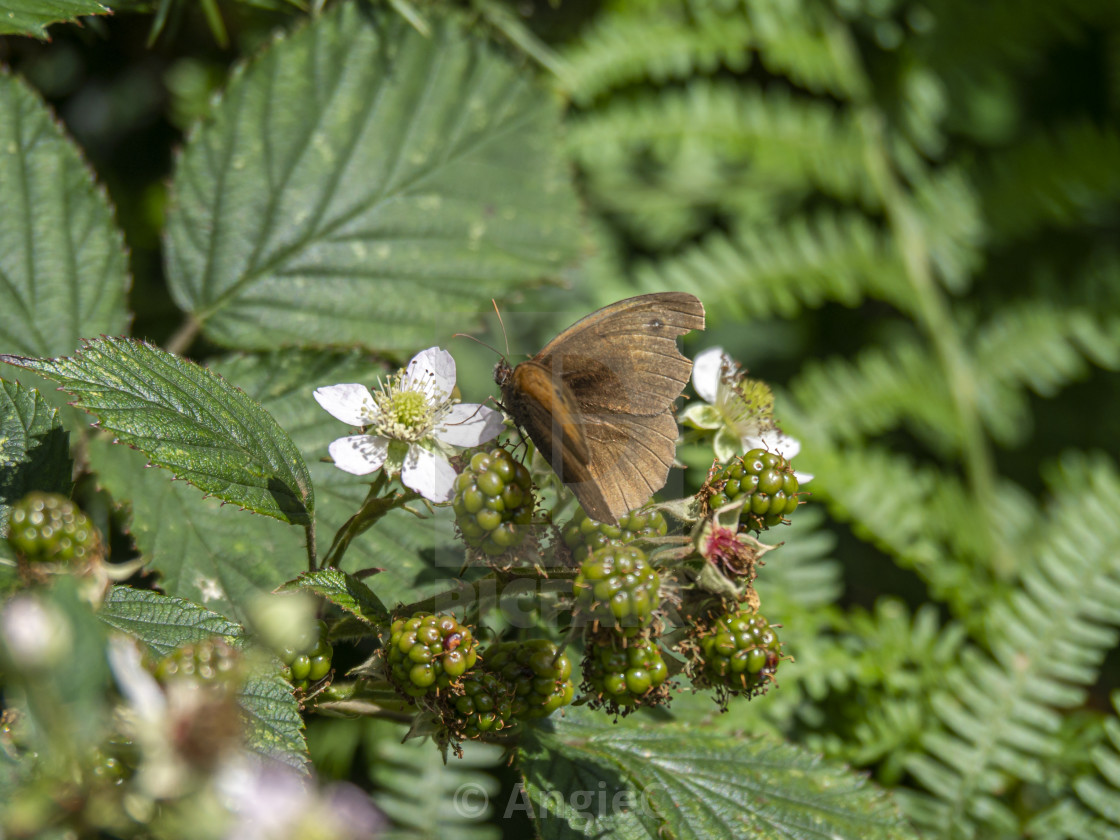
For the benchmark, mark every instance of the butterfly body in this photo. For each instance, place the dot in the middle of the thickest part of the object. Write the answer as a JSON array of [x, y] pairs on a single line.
[[597, 400]]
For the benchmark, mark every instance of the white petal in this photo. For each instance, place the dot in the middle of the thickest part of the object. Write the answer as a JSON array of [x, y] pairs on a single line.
[[433, 372], [138, 686], [776, 441], [706, 373], [359, 454], [352, 404], [428, 474], [467, 424]]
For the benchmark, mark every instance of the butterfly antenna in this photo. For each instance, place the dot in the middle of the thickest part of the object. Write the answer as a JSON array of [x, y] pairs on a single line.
[[497, 352], [505, 335]]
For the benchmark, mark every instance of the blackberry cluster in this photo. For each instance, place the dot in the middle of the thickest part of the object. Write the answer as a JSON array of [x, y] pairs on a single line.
[[47, 527], [209, 662], [768, 482], [429, 652], [538, 672], [485, 706], [741, 653], [619, 587], [494, 502], [306, 667], [584, 535], [624, 677]]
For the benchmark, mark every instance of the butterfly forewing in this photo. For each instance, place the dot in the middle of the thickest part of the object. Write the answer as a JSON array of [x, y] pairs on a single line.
[[624, 358]]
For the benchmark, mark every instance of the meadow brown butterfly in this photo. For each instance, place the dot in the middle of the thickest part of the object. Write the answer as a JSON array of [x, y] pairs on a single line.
[[597, 400]]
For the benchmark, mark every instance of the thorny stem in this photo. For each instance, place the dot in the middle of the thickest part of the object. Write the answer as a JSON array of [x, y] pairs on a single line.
[[309, 533]]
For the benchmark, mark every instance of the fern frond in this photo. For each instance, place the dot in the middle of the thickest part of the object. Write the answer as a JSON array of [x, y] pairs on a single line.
[[803, 573], [1067, 177], [949, 208], [635, 46], [1035, 345], [900, 660], [788, 144], [1069, 819], [792, 39], [1100, 793], [414, 786], [798, 39], [928, 521], [781, 270], [883, 388], [1047, 640]]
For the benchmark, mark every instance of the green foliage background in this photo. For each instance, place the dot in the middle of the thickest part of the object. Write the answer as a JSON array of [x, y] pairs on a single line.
[[904, 215]]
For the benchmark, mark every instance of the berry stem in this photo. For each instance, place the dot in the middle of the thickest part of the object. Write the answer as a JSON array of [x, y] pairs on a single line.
[[373, 508]]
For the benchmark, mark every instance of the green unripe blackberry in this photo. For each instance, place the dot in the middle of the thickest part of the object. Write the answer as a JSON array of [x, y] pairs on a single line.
[[210, 662], [484, 706], [429, 652], [306, 667], [539, 673], [768, 482], [618, 587], [47, 527], [583, 534], [622, 677], [494, 502], [741, 653]]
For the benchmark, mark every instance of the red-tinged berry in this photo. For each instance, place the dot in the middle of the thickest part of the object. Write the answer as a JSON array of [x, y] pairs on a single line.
[[47, 527], [767, 482], [584, 535], [539, 673], [427, 653], [621, 674], [494, 502], [618, 588]]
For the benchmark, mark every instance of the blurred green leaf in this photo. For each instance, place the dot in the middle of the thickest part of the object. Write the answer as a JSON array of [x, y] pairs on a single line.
[[162, 622], [363, 184], [589, 777], [189, 420], [31, 17], [63, 265], [344, 591], [61, 682], [204, 551], [34, 449], [275, 727]]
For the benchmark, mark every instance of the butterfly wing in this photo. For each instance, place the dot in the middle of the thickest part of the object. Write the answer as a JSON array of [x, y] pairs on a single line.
[[621, 370]]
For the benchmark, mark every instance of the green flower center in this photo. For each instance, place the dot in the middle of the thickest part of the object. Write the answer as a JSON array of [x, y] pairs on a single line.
[[407, 414], [409, 408], [748, 403]]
